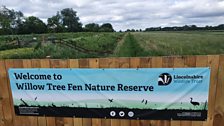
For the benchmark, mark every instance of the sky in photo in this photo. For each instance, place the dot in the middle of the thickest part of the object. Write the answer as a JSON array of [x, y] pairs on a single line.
[[128, 14]]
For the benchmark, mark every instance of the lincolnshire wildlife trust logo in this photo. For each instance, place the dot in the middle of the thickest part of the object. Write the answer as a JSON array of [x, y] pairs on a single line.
[[164, 79]]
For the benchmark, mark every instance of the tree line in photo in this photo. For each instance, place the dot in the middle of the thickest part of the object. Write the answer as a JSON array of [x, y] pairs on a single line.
[[14, 22], [66, 20], [186, 28]]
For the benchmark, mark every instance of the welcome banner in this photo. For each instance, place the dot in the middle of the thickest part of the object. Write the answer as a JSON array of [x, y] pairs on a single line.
[[146, 93]]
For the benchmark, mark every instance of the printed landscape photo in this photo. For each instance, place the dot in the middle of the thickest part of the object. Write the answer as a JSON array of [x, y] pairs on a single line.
[[95, 28]]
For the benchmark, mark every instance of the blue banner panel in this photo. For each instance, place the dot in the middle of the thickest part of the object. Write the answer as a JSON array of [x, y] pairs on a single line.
[[146, 93]]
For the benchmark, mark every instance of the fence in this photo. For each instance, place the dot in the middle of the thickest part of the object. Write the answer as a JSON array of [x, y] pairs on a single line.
[[216, 91]]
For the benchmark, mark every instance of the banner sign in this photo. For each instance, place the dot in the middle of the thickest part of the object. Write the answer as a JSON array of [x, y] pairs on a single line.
[[145, 93]]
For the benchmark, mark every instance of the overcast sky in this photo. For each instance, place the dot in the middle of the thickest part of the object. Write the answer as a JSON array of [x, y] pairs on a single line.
[[128, 14]]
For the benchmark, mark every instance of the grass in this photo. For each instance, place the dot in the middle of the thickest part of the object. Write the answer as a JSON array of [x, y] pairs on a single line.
[[181, 43], [130, 47], [90, 41], [131, 104], [117, 44], [54, 51], [16, 53], [97, 42]]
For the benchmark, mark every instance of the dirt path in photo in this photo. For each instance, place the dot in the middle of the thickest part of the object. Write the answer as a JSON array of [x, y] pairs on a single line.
[[119, 44]]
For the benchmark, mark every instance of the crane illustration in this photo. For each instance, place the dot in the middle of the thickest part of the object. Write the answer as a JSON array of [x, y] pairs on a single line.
[[194, 102]]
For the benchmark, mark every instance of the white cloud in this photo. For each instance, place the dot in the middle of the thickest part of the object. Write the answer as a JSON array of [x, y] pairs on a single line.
[[128, 14], [78, 3]]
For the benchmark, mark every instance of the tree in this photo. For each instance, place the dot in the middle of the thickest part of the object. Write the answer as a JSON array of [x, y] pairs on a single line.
[[132, 30], [193, 27], [220, 27], [54, 24], [106, 27], [92, 27], [70, 20], [64, 21], [10, 20], [128, 30], [18, 22], [33, 25], [5, 20]]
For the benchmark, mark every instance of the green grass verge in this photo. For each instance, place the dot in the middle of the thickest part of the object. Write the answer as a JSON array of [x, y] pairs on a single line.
[[181, 43], [16, 53], [54, 51]]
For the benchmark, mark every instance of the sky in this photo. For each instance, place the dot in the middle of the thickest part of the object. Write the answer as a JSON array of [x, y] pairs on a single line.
[[128, 14]]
